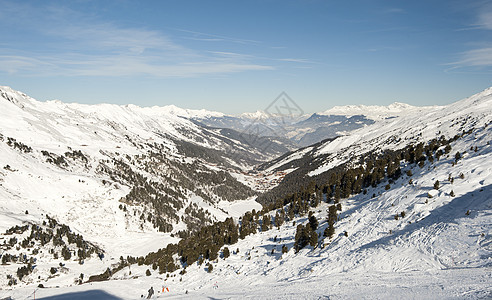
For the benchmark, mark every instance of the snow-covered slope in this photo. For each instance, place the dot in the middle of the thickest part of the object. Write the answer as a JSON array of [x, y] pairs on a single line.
[[374, 112], [404, 238], [416, 125], [440, 248], [186, 113], [102, 169]]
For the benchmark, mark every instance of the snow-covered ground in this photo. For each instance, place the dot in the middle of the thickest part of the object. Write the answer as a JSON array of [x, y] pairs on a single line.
[[440, 249], [79, 194]]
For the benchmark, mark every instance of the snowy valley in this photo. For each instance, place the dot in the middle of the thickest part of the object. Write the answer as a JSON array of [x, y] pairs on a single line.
[[105, 201]]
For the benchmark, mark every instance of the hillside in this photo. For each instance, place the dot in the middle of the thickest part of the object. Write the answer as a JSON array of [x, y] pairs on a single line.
[[416, 126], [414, 222], [112, 172]]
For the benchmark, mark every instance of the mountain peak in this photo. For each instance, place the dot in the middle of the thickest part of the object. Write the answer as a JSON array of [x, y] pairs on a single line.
[[12, 95], [259, 114], [372, 111]]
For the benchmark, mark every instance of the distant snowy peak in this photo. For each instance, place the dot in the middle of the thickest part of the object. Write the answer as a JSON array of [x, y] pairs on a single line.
[[164, 110], [259, 114], [374, 111], [19, 99], [16, 97], [186, 113]]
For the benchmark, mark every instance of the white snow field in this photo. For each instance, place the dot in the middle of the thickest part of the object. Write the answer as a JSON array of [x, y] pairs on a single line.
[[440, 249]]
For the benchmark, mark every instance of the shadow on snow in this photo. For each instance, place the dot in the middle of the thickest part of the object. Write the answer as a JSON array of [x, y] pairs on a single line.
[[473, 201], [94, 295]]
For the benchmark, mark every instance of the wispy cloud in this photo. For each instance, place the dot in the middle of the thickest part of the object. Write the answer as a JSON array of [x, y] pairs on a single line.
[[119, 65], [297, 60], [473, 59], [393, 10], [485, 18], [479, 58], [77, 46], [204, 39], [202, 36], [13, 63]]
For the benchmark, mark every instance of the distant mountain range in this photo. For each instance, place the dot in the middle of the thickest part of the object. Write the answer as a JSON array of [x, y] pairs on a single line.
[[303, 130]]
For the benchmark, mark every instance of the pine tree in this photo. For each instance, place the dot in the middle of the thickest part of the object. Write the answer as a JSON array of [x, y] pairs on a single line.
[[305, 236], [66, 253], [457, 156], [300, 240], [332, 217], [265, 225], [226, 253], [313, 222], [436, 185], [332, 213], [278, 220], [447, 149], [313, 238]]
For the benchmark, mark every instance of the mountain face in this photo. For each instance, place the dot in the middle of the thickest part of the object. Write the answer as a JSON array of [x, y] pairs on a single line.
[[374, 112], [320, 127], [122, 169], [89, 193], [305, 130], [418, 125]]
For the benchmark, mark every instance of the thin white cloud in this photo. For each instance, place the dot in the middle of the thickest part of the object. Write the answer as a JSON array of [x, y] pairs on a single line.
[[108, 37], [478, 58], [204, 39], [393, 10], [73, 45], [485, 19], [296, 60], [12, 64], [217, 37], [119, 65], [472, 61], [233, 56]]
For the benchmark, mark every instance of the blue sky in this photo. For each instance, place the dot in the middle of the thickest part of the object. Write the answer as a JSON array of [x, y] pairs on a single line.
[[237, 56]]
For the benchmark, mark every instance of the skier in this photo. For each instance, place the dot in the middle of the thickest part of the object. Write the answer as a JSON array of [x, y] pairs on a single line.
[[151, 292], [216, 286]]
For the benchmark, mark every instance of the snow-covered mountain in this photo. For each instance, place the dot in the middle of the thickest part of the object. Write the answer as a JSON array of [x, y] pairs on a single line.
[[128, 171], [305, 130], [414, 222], [415, 126], [374, 112]]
